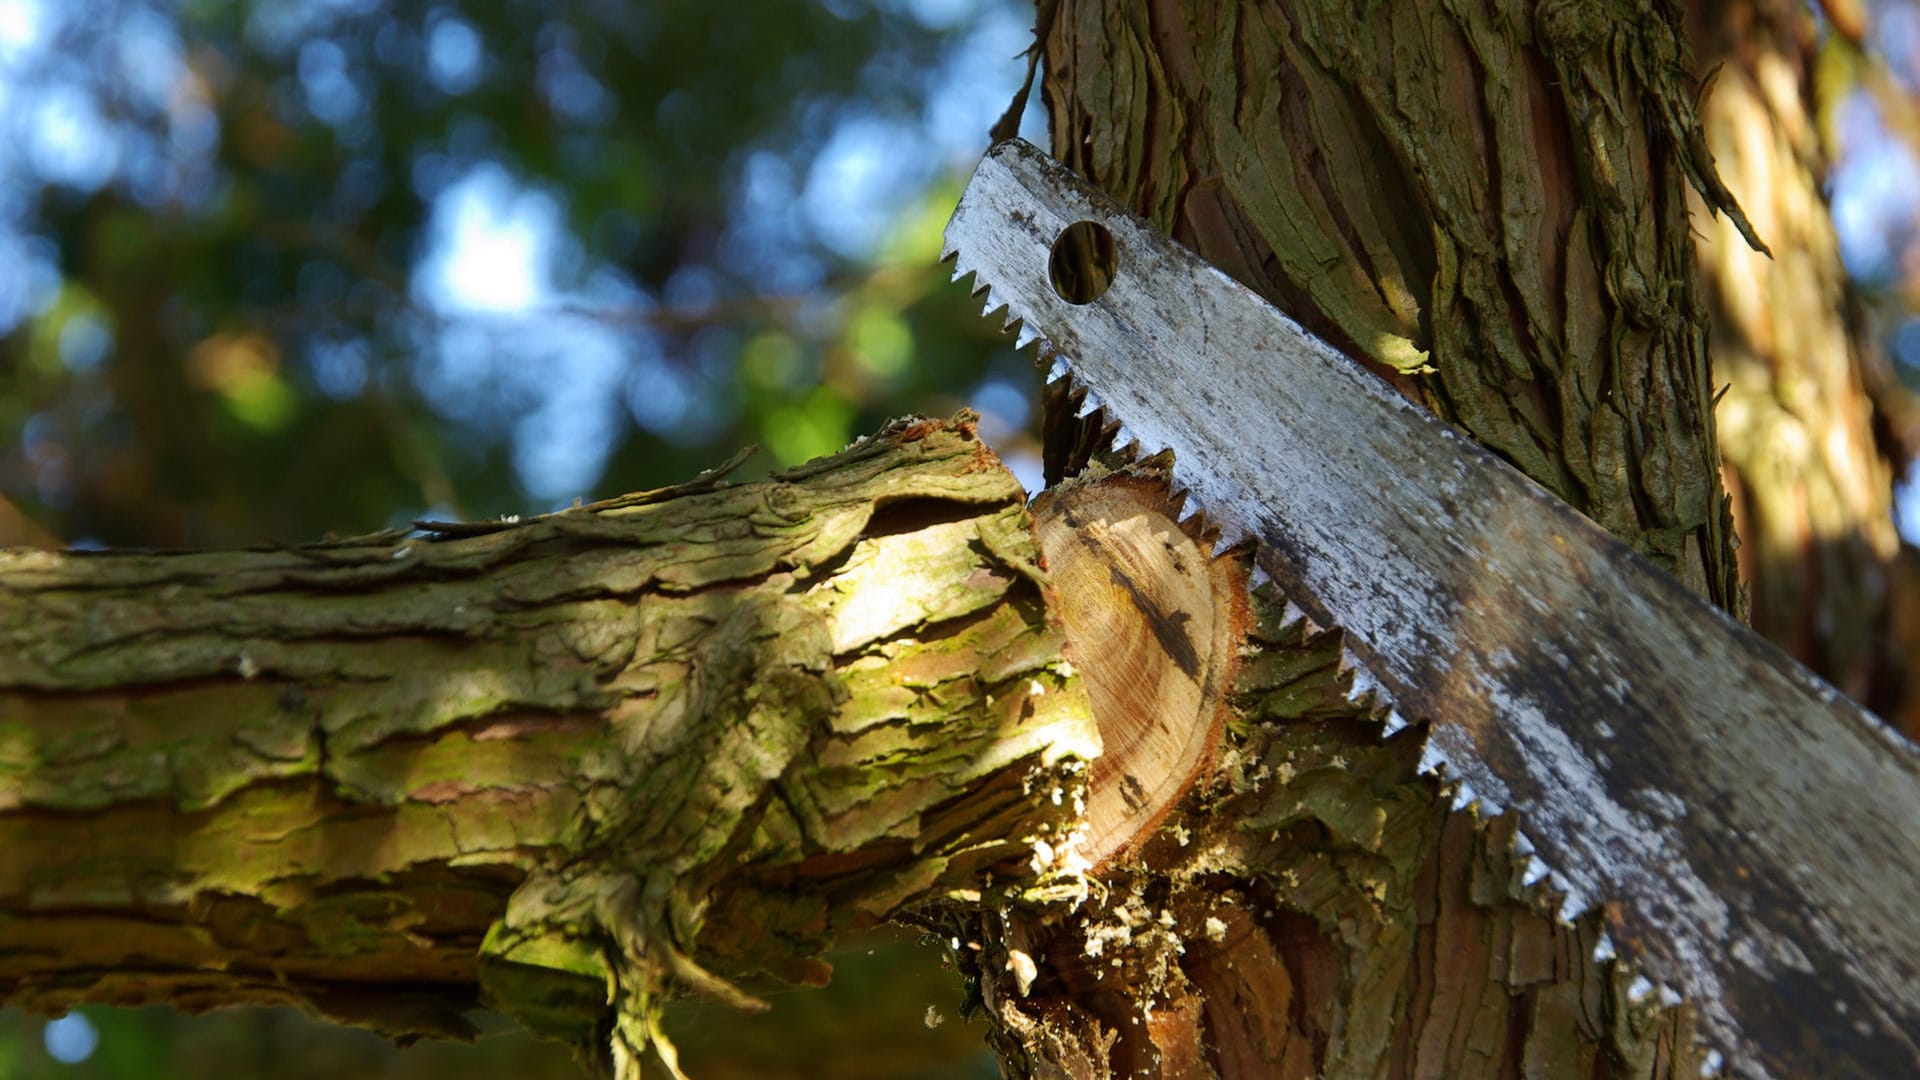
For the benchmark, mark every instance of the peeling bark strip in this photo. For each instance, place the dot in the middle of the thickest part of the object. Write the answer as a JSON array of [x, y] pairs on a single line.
[[590, 759]]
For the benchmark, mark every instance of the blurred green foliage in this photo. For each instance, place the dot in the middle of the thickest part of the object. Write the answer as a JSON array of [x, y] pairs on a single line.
[[274, 269], [239, 307], [891, 1013]]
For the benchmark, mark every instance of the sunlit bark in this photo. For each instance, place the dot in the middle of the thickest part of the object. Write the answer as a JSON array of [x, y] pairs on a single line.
[[563, 768]]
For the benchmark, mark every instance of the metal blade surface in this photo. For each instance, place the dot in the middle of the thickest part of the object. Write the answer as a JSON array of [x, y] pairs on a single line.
[[1754, 835]]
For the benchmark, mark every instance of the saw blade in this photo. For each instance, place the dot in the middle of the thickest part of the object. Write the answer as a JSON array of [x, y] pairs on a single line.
[[1752, 835]]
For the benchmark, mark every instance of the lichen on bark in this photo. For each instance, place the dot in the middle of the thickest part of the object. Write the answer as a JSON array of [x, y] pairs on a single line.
[[564, 767]]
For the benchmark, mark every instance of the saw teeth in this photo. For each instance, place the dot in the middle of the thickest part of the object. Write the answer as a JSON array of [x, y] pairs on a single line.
[[1463, 796], [1177, 501], [1291, 613], [1531, 872], [1012, 321], [1363, 684], [1545, 885], [1375, 708], [1572, 905], [1139, 450], [1088, 404]]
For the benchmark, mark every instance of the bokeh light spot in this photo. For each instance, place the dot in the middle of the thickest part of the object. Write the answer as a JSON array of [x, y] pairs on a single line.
[[814, 426], [69, 141], [330, 91], [85, 340], [492, 245], [70, 1039], [1003, 408], [23, 26], [771, 361], [453, 54], [339, 368], [881, 341]]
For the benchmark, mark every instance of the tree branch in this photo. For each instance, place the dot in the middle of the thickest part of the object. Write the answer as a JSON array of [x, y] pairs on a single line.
[[589, 760]]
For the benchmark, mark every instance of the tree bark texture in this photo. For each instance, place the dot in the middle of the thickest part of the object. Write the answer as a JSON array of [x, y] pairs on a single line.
[[1486, 201], [1812, 422], [563, 768], [1316, 909]]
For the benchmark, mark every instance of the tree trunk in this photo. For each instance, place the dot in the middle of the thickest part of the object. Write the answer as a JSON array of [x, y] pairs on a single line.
[[1486, 202], [646, 746]]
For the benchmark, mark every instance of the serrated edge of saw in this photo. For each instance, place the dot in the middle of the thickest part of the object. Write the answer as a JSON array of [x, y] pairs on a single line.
[[1535, 881]]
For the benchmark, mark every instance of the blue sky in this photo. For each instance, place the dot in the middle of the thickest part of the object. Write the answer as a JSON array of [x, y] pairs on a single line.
[[500, 270]]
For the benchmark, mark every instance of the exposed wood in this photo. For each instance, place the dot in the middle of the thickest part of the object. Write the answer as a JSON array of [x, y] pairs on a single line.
[[565, 768], [1317, 911], [1153, 624], [1637, 729]]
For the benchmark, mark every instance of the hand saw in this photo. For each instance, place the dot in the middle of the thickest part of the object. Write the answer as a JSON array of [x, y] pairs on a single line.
[[1753, 836]]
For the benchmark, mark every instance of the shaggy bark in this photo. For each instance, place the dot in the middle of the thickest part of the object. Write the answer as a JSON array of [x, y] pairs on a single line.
[[561, 768], [1484, 201], [1487, 203]]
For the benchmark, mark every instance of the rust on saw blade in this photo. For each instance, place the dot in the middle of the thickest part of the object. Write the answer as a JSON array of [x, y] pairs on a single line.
[[1751, 833]]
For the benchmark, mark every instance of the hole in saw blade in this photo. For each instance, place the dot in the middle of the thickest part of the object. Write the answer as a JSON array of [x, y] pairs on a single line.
[[1081, 266]]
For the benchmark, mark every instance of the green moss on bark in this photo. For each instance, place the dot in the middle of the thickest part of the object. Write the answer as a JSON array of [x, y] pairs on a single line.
[[566, 768]]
